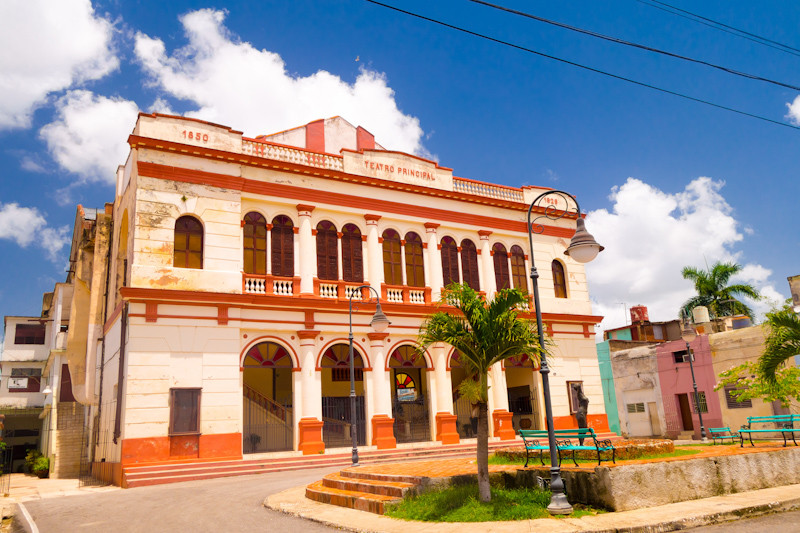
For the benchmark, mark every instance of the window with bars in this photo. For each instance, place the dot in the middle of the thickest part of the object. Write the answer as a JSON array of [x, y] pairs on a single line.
[[343, 374], [255, 244], [327, 251], [701, 399], [501, 274], [352, 254], [415, 266], [681, 356], [188, 243], [449, 261], [282, 237], [469, 264], [559, 279], [635, 407], [25, 380], [519, 277], [184, 411], [732, 402], [392, 262], [29, 334]]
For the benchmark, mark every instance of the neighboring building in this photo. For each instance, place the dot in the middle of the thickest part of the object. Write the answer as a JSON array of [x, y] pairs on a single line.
[[639, 400], [640, 331], [232, 263], [26, 346], [794, 288]]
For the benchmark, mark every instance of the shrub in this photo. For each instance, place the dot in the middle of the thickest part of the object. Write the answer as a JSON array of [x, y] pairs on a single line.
[[30, 458], [41, 466]]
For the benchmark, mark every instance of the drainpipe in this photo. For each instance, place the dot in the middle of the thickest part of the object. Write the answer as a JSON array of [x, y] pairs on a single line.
[[121, 363]]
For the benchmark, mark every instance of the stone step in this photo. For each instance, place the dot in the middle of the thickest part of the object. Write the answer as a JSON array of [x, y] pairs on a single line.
[[352, 499], [394, 489]]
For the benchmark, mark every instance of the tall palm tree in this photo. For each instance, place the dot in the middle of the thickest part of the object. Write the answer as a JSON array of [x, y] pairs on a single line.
[[714, 292], [482, 334], [782, 343]]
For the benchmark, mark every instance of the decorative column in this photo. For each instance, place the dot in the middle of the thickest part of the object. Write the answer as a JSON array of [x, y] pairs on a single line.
[[382, 421], [374, 253], [309, 427], [435, 278], [501, 416], [446, 421], [487, 265], [306, 250]]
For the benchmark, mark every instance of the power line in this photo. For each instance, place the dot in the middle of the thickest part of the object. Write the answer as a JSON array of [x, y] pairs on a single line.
[[635, 45], [585, 67], [721, 26]]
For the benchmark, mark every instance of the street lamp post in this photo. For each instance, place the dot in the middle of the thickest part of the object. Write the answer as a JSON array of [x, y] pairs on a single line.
[[379, 323], [688, 334], [582, 248]]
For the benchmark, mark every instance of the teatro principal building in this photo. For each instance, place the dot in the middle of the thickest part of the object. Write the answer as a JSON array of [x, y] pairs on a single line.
[[231, 267]]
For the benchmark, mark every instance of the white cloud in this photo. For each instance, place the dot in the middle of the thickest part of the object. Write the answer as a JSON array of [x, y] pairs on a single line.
[[794, 111], [29, 164], [89, 136], [235, 84], [48, 46], [26, 226], [650, 236]]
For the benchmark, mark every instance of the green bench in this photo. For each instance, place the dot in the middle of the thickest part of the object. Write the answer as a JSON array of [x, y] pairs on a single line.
[[720, 434], [567, 440], [786, 425]]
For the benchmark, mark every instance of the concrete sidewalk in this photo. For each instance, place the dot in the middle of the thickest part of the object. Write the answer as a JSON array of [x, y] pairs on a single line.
[[672, 517]]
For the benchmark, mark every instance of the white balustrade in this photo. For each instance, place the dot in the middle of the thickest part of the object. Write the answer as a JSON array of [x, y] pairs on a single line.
[[416, 297], [351, 291], [282, 287], [291, 155], [394, 295], [487, 189], [255, 285], [328, 290]]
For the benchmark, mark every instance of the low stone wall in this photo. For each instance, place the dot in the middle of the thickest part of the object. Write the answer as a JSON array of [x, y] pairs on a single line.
[[626, 487], [627, 449]]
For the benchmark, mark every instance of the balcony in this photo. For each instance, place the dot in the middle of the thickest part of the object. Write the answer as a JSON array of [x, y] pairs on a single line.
[[269, 284], [403, 294]]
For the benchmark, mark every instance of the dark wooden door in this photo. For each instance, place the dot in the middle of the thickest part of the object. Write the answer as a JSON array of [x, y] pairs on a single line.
[[686, 412]]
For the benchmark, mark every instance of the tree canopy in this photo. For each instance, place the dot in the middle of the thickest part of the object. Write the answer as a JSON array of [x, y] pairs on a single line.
[[714, 292], [783, 341]]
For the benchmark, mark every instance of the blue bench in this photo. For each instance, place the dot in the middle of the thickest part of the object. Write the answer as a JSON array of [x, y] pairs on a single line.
[[786, 425], [720, 434], [567, 440]]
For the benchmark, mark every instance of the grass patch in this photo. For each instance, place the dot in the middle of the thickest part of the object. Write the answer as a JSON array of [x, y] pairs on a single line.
[[460, 503], [496, 459]]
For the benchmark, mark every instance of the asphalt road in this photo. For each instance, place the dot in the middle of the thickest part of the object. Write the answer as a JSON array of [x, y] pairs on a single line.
[[218, 505], [788, 522]]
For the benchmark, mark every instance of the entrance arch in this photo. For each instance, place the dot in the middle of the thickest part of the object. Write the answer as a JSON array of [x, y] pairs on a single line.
[[267, 404], [523, 392], [410, 405], [336, 420]]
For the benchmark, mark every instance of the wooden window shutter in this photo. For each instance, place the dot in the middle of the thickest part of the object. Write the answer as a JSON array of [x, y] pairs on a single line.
[[352, 254], [559, 280], [255, 244], [282, 246], [449, 261], [327, 252], [415, 267], [500, 258], [469, 264], [518, 275], [392, 263]]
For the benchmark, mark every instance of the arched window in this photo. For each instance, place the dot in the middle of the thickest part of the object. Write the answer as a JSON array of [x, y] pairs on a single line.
[[255, 244], [415, 268], [282, 237], [449, 261], [518, 276], [188, 243], [469, 264], [327, 251], [500, 258], [559, 280], [407, 357], [392, 265], [352, 254]]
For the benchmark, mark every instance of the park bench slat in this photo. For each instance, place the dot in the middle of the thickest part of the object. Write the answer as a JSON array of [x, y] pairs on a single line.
[[532, 440], [787, 429]]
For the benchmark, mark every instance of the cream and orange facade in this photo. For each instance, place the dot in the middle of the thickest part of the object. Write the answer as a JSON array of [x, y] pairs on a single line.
[[232, 265]]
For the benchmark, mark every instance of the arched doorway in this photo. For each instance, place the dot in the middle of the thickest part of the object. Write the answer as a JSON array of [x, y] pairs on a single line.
[[409, 395], [267, 389], [467, 424], [336, 420], [521, 383]]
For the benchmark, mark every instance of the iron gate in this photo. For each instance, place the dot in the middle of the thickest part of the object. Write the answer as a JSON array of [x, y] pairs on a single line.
[[463, 411], [336, 421], [411, 420], [268, 425]]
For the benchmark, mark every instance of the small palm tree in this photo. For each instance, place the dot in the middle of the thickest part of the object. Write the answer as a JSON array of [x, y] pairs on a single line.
[[714, 292], [783, 341], [482, 334]]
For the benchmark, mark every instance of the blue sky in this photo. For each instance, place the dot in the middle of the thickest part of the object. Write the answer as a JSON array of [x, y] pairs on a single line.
[[666, 182]]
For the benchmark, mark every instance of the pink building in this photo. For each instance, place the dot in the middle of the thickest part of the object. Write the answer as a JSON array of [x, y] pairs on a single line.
[[677, 390]]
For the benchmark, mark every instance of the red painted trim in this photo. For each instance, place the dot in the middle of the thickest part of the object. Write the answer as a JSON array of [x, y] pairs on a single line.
[[425, 355], [315, 136], [309, 319], [484, 232], [431, 225], [222, 315], [304, 334], [364, 139], [114, 315], [372, 218], [305, 207], [276, 340], [151, 312], [401, 153]]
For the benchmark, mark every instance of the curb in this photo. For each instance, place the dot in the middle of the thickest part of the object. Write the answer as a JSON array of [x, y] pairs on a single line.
[[661, 519], [24, 519]]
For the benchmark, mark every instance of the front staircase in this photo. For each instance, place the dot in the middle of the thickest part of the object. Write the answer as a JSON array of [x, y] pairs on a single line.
[[157, 474]]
